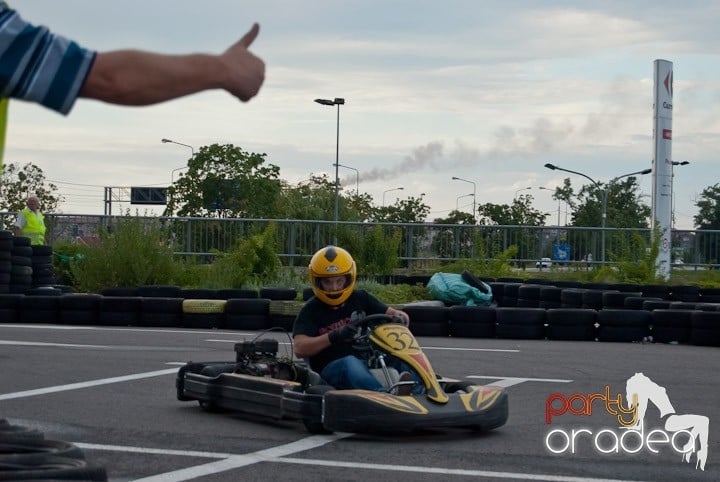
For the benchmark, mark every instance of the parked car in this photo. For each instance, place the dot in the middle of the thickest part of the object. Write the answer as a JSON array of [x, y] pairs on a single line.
[[543, 263]]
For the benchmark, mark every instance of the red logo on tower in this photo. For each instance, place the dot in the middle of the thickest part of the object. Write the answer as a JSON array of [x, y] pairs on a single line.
[[668, 83]]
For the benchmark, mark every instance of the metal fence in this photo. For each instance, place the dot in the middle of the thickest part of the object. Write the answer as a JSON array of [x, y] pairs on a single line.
[[297, 240]]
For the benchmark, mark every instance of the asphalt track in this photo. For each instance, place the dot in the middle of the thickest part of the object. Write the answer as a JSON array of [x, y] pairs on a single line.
[[111, 392]]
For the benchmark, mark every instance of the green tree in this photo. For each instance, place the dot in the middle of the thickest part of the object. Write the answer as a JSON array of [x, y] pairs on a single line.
[[625, 208], [225, 181], [18, 182], [708, 218], [519, 213], [708, 204], [410, 210]]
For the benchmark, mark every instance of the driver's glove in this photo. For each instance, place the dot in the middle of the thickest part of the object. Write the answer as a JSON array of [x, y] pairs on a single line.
[[347, 333]]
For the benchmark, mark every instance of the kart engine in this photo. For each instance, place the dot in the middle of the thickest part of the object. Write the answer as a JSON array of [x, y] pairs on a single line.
[[259, 358]]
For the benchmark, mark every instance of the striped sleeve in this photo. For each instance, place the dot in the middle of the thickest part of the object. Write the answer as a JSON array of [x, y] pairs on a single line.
[[39, 66]]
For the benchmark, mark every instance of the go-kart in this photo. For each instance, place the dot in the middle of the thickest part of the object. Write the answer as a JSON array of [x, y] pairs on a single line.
[[262, 383]]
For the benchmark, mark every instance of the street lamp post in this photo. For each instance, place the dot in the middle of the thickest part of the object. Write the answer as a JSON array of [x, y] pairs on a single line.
[[457, 206], [604, 193], [455, 178], [357, 178], [548, 189], [192, 154], [672, 191], [520, 190], [338, 102], [389, 190]]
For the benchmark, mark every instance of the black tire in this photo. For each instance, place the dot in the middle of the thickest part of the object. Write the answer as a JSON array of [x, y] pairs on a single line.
[[686, 293], [81, 301], [636, 302], [248, 306], [472, 280], [683, 305], [471, 314], [5, 266], [234, 321], [551, 293], [650, 305], [226, 294], [41, 260], [43, 291], [161, 305], [123, 291], [520, 323], [198, 294], [572, 297], [426, 314], [164, 320], [42, 250], [20, 270], [671, 325], [571, 324], [21, 241], [206, 321], [278, 294], [118, 318], [307, 293], [21, 261], [24, 251], [529, 292], [623, 325], [11, 444], [159, 291]]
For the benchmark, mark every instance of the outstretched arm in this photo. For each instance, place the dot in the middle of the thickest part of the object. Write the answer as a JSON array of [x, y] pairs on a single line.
[[132, 77]]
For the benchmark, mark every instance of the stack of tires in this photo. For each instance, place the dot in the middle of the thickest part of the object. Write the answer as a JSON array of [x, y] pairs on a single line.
[[42, 266], [21, 271], [25, 454], [6, 245]]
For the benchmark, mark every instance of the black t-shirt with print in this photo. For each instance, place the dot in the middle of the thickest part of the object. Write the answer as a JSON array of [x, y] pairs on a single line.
[[317, 318]]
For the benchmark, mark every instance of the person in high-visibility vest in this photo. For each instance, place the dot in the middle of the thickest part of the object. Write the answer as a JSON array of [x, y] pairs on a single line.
[[30, 222]]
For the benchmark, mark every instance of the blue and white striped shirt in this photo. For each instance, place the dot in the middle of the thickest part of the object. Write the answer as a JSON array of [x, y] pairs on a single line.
[[39, 66]]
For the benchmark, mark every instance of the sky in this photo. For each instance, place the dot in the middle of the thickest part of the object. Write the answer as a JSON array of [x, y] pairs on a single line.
[[483, 90]]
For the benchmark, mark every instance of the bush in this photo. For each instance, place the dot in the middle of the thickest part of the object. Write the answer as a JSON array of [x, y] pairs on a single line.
[[135, 253]]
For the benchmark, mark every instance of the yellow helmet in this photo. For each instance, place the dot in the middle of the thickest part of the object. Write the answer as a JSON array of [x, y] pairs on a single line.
[[329, 262]]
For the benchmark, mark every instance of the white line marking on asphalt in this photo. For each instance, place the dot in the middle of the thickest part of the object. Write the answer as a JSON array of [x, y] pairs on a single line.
[[446, 471], [39, 343], [510, 381], [424, 348], [237, 461], [232, 461], [91, 383], [468, 349], [142, 330]]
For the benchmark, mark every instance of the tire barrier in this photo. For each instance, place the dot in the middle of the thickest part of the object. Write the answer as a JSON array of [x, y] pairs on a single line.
[[278, 294], [571, 324], [677, 321], [471, 322], [671, 325], [623, 325], [520, 323], [705, 328], [428, 320], [203, 313], [636, 302], [686, 293], [247, 314], [25, 454]]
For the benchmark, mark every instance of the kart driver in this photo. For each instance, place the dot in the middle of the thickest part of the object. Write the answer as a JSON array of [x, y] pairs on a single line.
[[323, 330]]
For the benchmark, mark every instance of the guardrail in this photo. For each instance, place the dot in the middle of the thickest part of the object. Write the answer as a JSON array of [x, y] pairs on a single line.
[[298, 239]]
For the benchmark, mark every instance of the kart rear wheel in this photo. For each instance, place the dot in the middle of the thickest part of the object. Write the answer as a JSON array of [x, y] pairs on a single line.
[[454, 387], [208, 406], [315, 426]]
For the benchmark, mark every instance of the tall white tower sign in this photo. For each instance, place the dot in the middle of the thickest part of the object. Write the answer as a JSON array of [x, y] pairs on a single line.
[[662, 169]]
